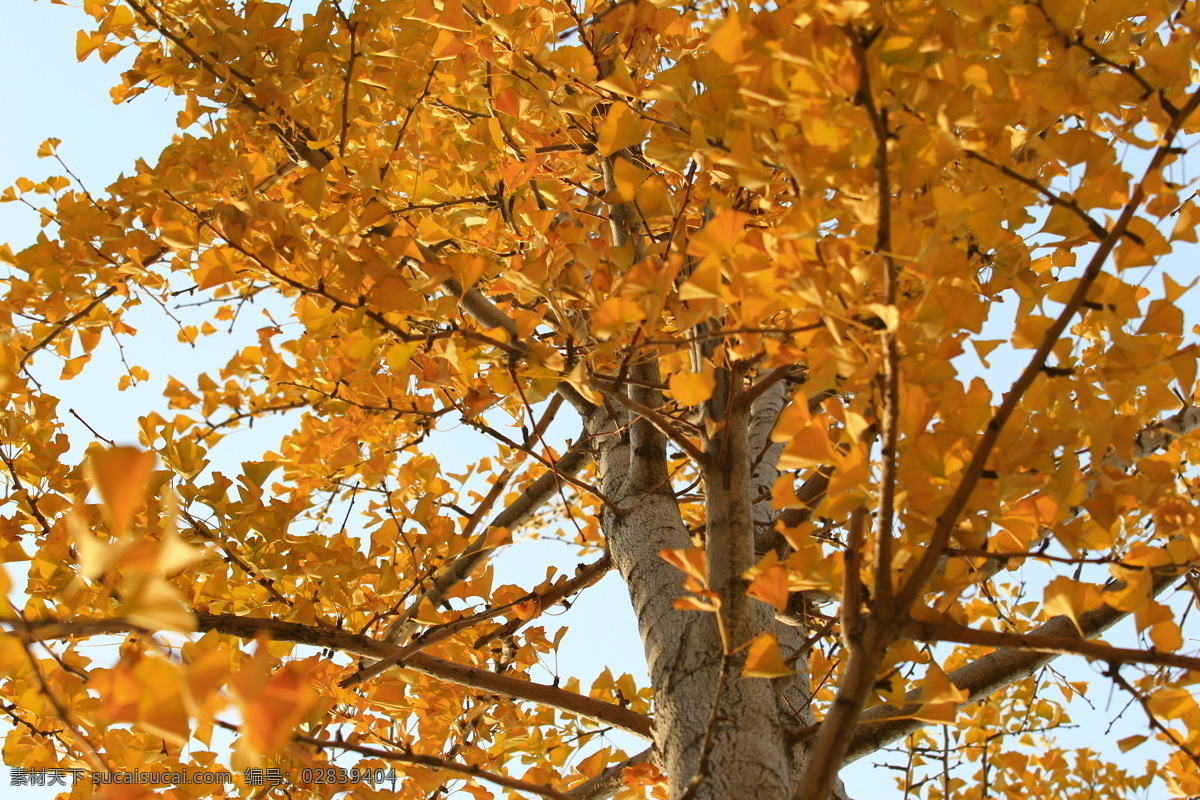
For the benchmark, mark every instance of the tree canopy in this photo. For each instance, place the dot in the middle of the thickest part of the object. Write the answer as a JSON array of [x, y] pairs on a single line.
[[715, 286]]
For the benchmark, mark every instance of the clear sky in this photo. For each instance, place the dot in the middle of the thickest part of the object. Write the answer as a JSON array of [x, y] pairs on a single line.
[[47, 93], [51, 94]]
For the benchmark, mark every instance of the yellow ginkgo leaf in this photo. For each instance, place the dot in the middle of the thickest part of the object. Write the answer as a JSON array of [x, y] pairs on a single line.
[[771, 584], [526, 609], [728, 40], [176, 555], [763, 659], [272, 704], [622, 128], [940, 698], [690, 603], [1170, 704], [1167, 636], [120, 475], [690, 560], [1071, 598], [156, 605], [13, 656], [627, 177], [1130, 742], [614, 314], [937, 688], [48, 147], [693, 388], [160, 698]]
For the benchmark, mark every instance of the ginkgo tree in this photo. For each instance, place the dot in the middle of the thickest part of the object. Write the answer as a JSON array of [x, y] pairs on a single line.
[[747, 253]]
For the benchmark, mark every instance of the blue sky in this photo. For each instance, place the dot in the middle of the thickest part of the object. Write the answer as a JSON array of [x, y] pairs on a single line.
[[56, 96], [47, 93]]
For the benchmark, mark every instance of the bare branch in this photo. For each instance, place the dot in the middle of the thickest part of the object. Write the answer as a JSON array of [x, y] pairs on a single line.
[[1059, 645], [232, 555], [346, 90], [661, 422], [19, 485], [1054, 198], [1114, 673], [882, 725], [889, 381]]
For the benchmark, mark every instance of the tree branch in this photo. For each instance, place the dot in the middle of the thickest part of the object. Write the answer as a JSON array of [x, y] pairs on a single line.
[[357, 644], [948, 519], [948, 632], [882, 725], [889, 379], [433, 762], [539, 492], [765, 409], [57, 330], [609, 782], [585, 576], [658, 420]]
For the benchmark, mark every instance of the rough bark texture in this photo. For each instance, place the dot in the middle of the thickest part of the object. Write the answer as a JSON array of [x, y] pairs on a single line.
[[741, 742], [762, 737], [717, 734], [799, 246]]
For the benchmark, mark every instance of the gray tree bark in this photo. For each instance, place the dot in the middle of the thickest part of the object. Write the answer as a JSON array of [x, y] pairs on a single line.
[[717, 735]]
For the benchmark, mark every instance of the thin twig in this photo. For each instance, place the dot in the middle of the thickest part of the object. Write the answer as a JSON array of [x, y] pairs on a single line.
[[973, 472], [890, 382]]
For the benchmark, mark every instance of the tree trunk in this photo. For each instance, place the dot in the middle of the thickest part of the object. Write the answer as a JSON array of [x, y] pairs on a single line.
[[719, 735]]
